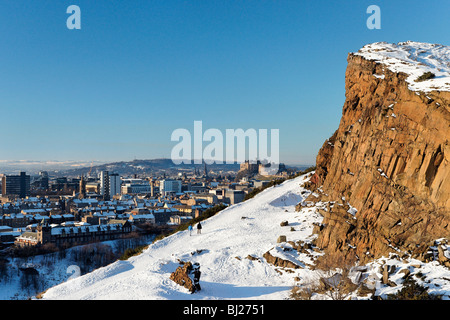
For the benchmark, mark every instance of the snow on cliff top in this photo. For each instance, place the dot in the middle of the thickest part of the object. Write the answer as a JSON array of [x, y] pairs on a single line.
[[414, 59]]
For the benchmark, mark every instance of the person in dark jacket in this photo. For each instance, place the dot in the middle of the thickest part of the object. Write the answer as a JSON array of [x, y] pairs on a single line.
[[199, 228], [197, 273]]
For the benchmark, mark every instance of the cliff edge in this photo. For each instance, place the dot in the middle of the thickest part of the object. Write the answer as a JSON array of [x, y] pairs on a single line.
[[386, 168]]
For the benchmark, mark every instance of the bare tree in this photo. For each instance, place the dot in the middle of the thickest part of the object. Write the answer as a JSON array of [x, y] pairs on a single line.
[[331, 278], [4, 274], [335, 280], [306, 290]]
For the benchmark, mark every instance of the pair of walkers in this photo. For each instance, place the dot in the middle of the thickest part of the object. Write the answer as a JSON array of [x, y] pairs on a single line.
[[199, 229]]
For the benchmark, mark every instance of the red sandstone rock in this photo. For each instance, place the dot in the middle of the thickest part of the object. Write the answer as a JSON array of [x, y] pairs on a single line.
[[390, 159]]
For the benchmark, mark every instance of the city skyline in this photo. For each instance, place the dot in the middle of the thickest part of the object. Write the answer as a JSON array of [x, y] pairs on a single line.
[[117, 88]]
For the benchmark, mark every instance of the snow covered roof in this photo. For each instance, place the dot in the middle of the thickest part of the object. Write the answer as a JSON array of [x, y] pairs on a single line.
[[142, 216], [104, 214], [32, 199], [33, 211], [30, 236], [86, 201], [39, 217], [165, 211], [5, 228], [86, 228], [414, 59]]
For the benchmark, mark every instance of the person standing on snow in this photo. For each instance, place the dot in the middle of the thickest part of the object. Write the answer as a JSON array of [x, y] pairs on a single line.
[[199, 228], [190, 230]]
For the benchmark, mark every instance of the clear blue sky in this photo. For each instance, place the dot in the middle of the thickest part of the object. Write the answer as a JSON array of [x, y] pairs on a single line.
[[137, 70]]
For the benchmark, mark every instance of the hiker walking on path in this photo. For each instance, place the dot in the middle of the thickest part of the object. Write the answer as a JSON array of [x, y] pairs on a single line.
[[199, 228], [190, 230]]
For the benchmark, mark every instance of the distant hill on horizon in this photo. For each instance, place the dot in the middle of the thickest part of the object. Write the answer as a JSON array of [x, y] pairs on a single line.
[[137, 166], [144, 167]]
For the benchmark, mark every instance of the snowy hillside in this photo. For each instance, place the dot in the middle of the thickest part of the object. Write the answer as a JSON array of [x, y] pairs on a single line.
[[247, 229], [414, 59]]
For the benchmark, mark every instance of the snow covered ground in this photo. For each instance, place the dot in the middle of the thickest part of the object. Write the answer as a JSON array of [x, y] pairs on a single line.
[[54, 268], [53, 271], [414, 59], [227, 239]]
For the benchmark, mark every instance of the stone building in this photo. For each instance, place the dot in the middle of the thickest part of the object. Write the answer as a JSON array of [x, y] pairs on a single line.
[[250, 167], [74, 235]]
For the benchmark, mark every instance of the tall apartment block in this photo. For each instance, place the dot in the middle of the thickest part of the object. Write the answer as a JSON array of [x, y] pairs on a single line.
[[104, 185], [110, 184], [18, 185]]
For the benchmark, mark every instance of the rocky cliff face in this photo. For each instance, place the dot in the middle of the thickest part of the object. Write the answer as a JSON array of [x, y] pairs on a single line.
[[385, 170]]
